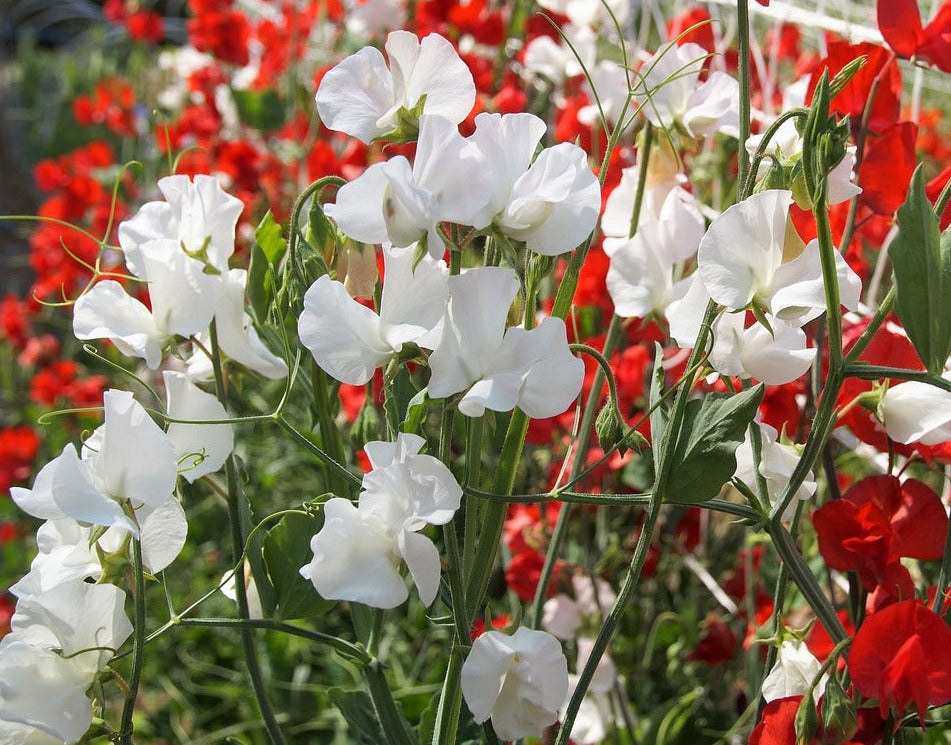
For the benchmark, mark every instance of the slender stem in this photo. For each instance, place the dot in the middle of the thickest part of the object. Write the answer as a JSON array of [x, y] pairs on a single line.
[[743, 51], [392, 723], [341, 646], [324, 457], [877, 372], [450, 700], [330, 436], [237, 548], [874, 325], [827, 251], [138, 645]]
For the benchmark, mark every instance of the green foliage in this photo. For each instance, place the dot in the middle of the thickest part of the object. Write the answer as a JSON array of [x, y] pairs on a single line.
[[921, 256], [286, 550], [705, 455], [266, 254]]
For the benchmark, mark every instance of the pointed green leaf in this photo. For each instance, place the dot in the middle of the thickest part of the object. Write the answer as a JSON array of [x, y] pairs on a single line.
[[269, 246], [286, 550], [704, 458], [921, 256]]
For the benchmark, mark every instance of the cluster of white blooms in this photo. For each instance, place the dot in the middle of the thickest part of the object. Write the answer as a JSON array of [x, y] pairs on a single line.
[[496, 181], [120, 485]]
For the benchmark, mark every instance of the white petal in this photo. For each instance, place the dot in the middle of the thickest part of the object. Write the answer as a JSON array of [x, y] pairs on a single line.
[[779, 358], [354, 559], [343, 336], [44, 691], [355, 94], [414, 299], [236, 334], [40, 501], [81, 500], [359, 209], [137, 460], [479, 302], [206, 446], [560, 617], [431, 68], [743, 247], [164, 530], [915, 412], [107, 312], [422, 560]]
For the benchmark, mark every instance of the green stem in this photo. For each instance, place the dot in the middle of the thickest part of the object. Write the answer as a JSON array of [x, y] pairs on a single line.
[[877, 372], [873, 326], [237, 548], [743, 52], [138, 645], [330, 436], [450, 700], [393, 725], [334, 466], [827, 251], [341, 646]]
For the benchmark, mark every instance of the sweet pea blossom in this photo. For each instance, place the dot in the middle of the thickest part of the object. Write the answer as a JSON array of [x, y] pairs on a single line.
[[501, 368], [402, 203], [135, 462], [237, 337], [793, 674], [180, 248], [518, 681], [198, 215], [349, 341], [182, 298], [364, 98], [671, 93], [552, 203], [358, 550], [201, 448], [741, 260], [917, 412]]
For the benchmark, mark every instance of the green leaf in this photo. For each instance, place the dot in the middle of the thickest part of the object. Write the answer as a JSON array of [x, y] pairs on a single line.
[[266, 253], [415, 413], [286, 550], [357, 709], [704, 458], [263, 110], [921, 256]]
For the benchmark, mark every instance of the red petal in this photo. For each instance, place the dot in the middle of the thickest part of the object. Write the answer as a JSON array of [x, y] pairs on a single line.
[[900, 24], [887, 168]]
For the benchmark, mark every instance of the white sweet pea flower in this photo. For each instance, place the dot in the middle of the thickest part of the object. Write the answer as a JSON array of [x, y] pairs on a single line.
[[182, 295], [591, 13], [518, 681], [774, 358], [402, 203], [594, 717], [563, 616], [670, 93], [358, 551], [553, 203], [237, 336], [42, 695], [533, 370], [554, 206], [198, 216], [556, 61], [778, 460], [75, 617], [136, 462], [364, 98], [640, 278], [369, 18], [349, 341], [741, 261], [609, 85], [917, 412], [201, 448], [663, 176], [793, 674], [64, 552]]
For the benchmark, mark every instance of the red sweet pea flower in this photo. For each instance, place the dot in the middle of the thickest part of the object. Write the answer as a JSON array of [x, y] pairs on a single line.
[[887, 168], [900, 24], [876, 523], [717, 643], [778, 725], [879, 64], [902, 655]]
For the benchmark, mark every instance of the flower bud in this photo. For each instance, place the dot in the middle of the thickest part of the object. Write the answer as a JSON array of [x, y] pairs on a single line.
[[839, 716]]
